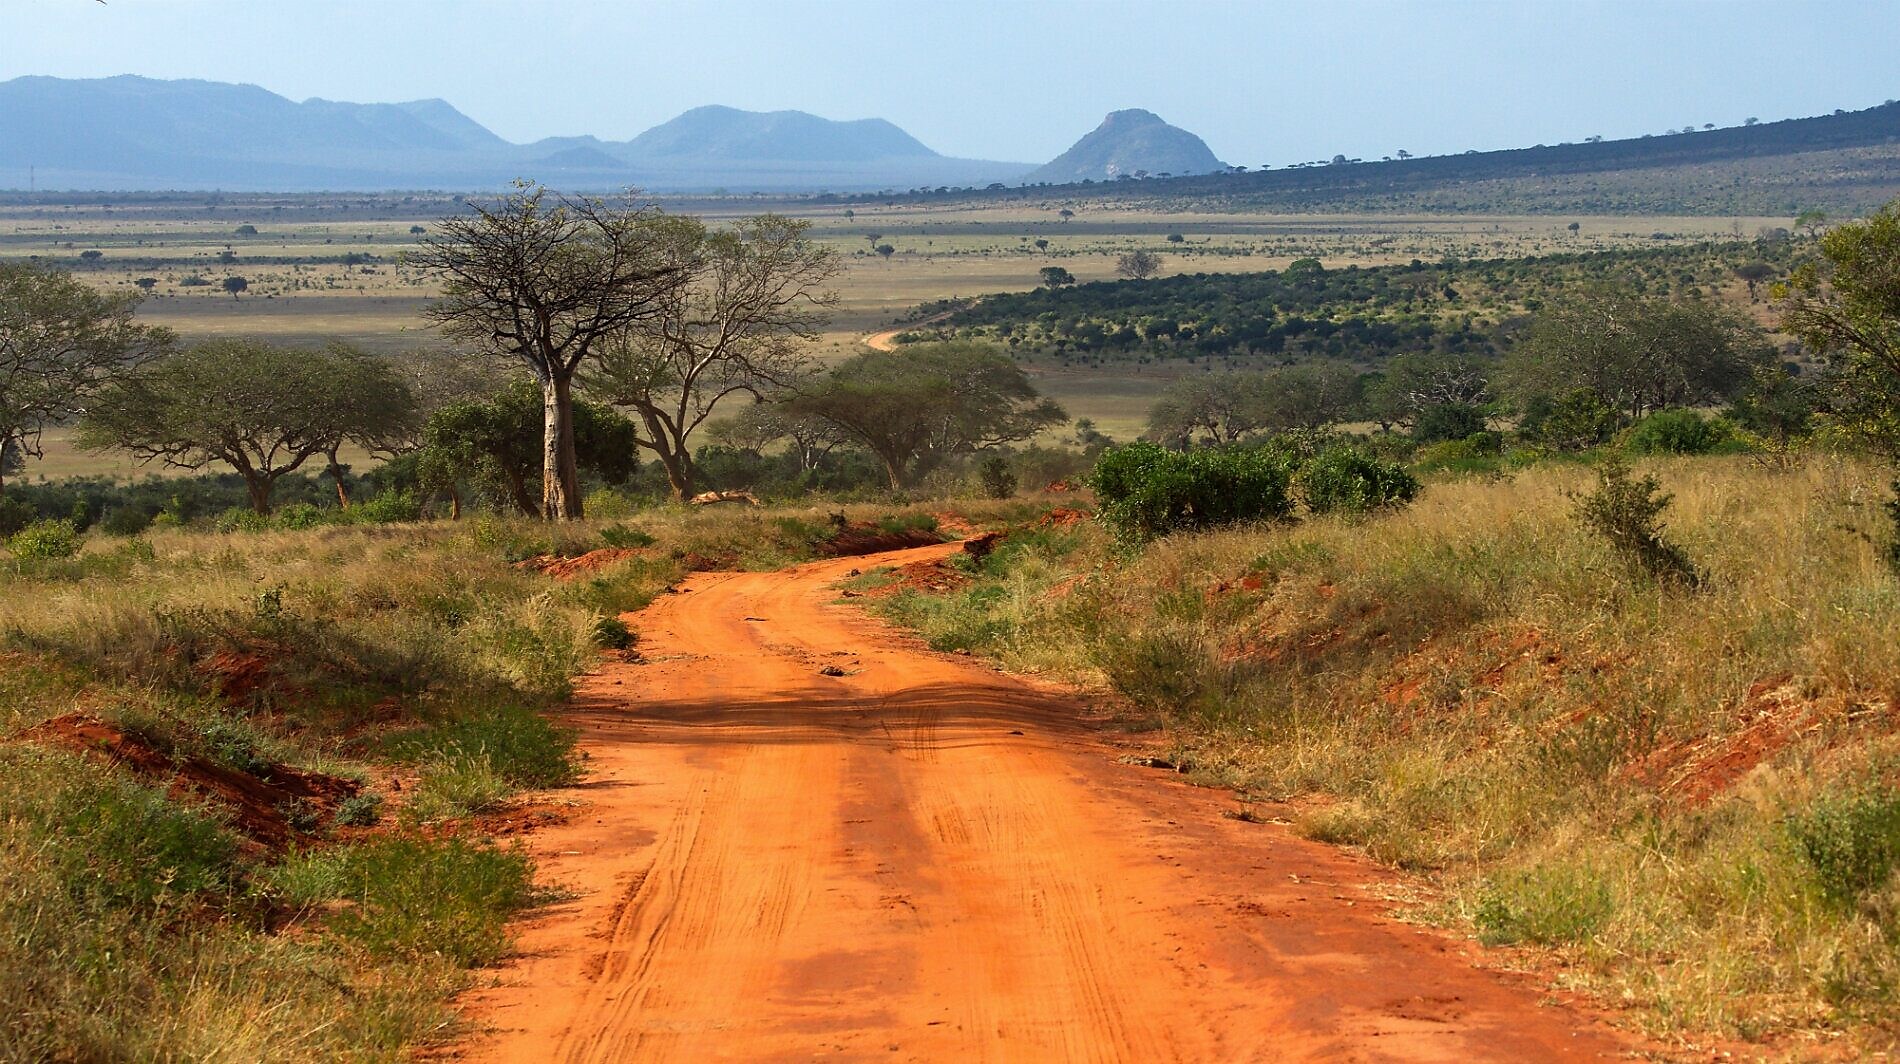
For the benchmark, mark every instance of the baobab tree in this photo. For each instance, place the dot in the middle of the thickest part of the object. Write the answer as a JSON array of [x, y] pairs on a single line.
[[546, 280]]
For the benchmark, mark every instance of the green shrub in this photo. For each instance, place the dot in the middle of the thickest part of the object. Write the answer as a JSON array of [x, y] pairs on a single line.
[[300, 515], [45, 539], [1851, 842], [242, 519], [999, 482], [625, 538], [1146, 491], [453, 786], [612, 633], [387, 508], [1345, 480], [360, 810], [15, 515], [1448, 421], [125, 521], [115, 842], [414, 897], [1678, 432], [1624, 510], [1892, 506], [1575, 422]]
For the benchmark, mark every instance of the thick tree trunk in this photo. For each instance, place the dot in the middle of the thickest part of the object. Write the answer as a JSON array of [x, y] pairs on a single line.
[[895, 471], [560, 469], [679, 474], [455, 502], [259, 488]]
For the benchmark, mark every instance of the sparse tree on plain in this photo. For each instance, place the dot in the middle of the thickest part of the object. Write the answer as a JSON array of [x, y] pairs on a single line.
[[1138, 265], [917, 407], [1056, 276], [236, 286], [60, 342], [750, 300], [547, 280], [1633, 355]]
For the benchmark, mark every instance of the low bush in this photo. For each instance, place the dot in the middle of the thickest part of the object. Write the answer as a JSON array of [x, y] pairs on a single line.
[[521, 746], [1678, 432], [999, 481], [45, 539], [1852, 842], [1624, 510], [1546, 906], [612, 633], [1344, 480], [1146, 491]]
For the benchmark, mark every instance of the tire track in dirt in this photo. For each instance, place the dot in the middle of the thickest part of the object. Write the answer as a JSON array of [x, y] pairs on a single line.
[[926, 860]]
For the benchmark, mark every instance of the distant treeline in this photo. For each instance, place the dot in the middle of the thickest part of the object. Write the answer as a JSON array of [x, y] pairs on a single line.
[[1357, 314]]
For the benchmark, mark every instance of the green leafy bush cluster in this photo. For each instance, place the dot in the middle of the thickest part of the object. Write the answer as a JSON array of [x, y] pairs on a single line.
[[1146, 491], [45, 538], [1678, 432], [1345, 480], [1852, 842]]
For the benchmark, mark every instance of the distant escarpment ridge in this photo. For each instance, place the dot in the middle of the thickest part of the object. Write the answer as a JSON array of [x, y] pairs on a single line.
[[126, 133]]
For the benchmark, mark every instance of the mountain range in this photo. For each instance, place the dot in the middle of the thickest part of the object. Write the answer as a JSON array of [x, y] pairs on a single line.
[[131, 132]]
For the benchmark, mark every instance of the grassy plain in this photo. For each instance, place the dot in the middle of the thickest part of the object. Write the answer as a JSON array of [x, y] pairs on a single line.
[[330, 268]]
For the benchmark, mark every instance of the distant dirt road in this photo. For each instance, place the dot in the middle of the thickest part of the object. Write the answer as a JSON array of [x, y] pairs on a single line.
[[926, 860]]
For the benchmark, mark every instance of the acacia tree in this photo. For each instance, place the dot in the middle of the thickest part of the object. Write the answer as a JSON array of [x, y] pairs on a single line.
[[1226, 408], [1847, 308], [384, 416], [749, 300], [546, 280], [1635, 356], [1138, 265], [761, 424], [60, 341], [260, 409], [916, 407]]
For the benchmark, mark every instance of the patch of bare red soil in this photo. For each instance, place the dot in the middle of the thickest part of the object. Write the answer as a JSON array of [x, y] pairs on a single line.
[[260, 805], [1773, 715]]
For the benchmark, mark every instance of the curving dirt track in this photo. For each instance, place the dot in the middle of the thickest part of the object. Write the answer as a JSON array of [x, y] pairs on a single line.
[[926, 860]]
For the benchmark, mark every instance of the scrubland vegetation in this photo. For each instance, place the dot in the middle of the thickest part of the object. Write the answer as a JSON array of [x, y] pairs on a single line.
[[1393, 570]]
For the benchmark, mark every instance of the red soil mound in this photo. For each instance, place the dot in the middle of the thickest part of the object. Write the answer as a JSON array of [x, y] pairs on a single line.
[[870, 539], [569, 568], [259, 805], [1061, 517]]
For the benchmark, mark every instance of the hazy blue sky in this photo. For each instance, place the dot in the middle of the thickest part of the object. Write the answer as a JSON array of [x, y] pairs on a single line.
[[1262, 82]]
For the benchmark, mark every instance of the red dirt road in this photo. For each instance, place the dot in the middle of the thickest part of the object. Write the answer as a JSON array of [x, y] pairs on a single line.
[[926, 860]]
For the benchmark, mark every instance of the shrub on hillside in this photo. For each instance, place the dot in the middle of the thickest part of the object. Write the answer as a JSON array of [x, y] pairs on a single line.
[[1678, 432], [1344, 480], [1624, 510], [1852, 844], [1146, 491]]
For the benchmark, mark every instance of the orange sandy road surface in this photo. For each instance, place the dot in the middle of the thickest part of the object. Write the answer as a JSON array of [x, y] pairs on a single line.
[[926, 860]]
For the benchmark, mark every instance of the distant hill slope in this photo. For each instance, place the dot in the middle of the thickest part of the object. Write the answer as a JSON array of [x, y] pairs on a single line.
[[782, 136], [1130, 142], [1846, 162], [129, 132]]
